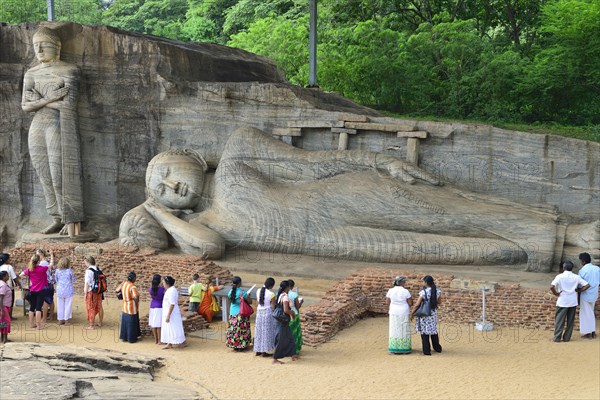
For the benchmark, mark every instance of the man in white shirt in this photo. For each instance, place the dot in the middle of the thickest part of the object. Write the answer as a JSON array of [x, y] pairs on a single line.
[[565, 287], [12, 278], [587, 301]]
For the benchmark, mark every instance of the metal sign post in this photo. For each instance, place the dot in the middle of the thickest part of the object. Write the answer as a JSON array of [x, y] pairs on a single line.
[[312, 47], [50, 5], [483, 325]]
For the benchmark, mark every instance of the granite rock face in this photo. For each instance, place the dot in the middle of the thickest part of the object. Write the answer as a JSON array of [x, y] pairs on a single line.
[[141, 95]]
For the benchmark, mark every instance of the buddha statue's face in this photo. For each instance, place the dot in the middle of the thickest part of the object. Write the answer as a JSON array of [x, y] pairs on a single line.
[[46, 51], [176, 181]]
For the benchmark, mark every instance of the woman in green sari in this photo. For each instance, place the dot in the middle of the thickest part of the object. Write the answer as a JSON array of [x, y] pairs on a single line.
[[295, 323]]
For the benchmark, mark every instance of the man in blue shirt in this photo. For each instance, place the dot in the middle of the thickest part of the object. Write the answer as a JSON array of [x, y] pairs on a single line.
[[591, 274]]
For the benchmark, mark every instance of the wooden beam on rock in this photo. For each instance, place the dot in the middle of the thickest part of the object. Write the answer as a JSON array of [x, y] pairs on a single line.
[[413, 134], [372, 126], [344, 130], [343, 142], [306, 123], [412, 150], [353, 117], [286, 132]]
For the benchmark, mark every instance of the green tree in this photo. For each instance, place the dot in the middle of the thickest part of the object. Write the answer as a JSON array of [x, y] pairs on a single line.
[[362, 63], [239, 17], [441, 62], [563, 81], [205, 18], [497, 85], [283, 40], [404, 15], [156, 17], [82, 11], [518, 19]]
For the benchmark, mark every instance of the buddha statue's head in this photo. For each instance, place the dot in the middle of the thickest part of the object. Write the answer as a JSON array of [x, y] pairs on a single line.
[[46, 44], [175, 178]]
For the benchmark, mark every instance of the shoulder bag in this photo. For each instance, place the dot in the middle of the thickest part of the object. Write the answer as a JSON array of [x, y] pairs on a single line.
[[214, 305], [424, 309], [280, 315], [246, 309]]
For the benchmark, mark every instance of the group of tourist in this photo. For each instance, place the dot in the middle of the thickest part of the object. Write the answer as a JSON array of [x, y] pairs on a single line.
[[572, 290], [277, 331], [164, 319], [400, 313], [45, 278], [202, 299]]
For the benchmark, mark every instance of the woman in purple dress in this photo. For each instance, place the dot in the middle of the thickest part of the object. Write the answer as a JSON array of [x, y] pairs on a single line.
[[157, 292]]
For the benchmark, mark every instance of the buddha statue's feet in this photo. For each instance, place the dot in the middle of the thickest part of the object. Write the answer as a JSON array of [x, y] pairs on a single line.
[[54, 227]]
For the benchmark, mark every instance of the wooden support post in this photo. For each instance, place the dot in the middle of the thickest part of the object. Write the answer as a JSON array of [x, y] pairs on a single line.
[[71, 229], [343, 141], [412, 150]]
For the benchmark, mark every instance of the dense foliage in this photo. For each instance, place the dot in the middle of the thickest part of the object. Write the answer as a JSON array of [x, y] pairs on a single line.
[[492, 60]]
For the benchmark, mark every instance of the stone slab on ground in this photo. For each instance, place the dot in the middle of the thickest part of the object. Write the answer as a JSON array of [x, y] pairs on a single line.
[[67, 372]]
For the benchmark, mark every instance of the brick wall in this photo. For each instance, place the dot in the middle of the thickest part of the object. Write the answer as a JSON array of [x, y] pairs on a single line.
[[363, 293]]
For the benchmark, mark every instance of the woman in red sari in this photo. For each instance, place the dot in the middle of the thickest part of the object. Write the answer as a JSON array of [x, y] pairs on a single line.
[[209, 306]]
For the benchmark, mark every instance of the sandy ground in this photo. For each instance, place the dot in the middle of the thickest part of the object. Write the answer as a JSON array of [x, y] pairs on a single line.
[[502, 364]]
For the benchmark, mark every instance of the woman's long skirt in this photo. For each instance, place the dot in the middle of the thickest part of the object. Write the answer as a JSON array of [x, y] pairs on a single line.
[[399, 338], [130, 327], [172, 332], [155, 318], [6, 320], [297, 332], [265, 330], [238, 333], [284, 342]]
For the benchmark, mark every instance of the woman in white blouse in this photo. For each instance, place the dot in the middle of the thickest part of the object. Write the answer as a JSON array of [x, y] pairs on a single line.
[[400, 301], [265, 327]]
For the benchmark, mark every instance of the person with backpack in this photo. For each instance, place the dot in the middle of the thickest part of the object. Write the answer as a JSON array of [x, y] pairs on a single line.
[[94, 288]]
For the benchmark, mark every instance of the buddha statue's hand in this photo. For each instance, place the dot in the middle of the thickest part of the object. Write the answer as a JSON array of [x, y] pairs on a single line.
[[58, 94], [408, 172], [32, 95], [157, 209]]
